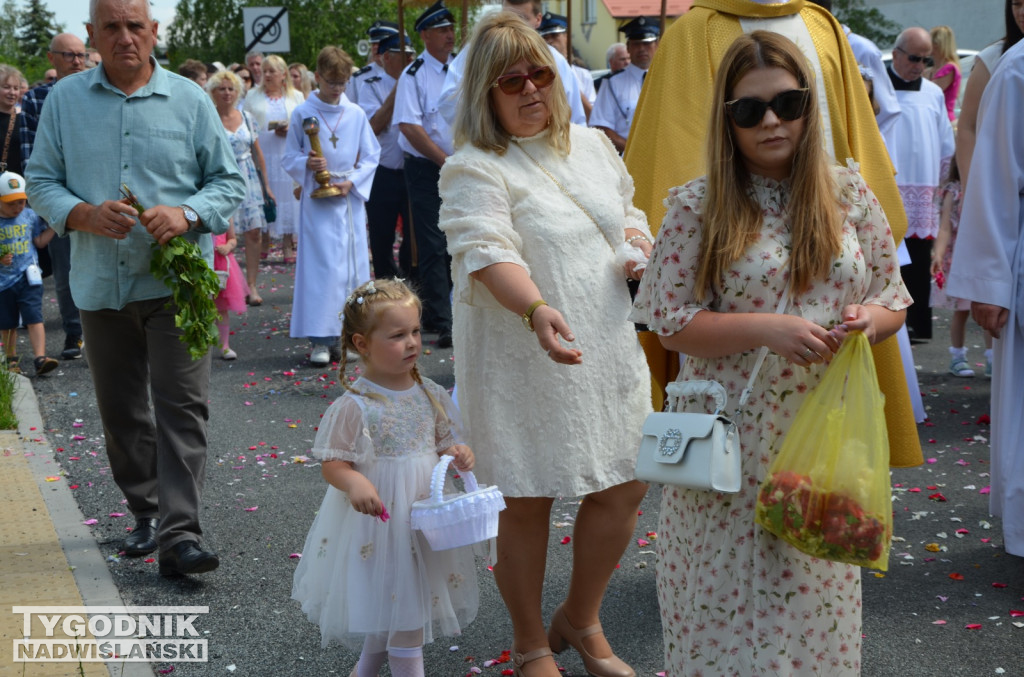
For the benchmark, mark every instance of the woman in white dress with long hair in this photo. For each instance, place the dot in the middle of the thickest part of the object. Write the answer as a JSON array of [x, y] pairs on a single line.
[[271, 104]]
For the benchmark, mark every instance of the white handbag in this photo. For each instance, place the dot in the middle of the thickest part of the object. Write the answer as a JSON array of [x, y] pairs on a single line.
[[697, 450]]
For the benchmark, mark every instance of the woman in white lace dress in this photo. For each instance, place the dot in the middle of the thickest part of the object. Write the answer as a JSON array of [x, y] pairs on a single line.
[[534, 209], [772, 214]]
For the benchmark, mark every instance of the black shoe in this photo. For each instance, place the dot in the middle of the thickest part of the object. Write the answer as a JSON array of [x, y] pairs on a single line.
[[186, 557], [72, 348], [334, 352], [142, 540], [444, 338]]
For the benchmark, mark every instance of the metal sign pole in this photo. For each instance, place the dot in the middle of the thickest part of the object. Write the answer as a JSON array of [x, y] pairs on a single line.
[[568, 31]]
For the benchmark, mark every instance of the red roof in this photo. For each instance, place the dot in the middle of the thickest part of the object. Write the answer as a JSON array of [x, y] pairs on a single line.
[[620, 9]]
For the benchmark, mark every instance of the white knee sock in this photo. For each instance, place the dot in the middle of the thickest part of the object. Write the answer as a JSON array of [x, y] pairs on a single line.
[[406, 662]]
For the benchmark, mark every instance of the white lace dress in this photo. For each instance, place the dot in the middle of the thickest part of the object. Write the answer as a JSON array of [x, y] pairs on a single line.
[[359, 575], [539, 428], [736, 600]]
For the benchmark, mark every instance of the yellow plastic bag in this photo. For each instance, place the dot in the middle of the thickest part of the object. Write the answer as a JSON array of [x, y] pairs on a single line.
[[828, 492]]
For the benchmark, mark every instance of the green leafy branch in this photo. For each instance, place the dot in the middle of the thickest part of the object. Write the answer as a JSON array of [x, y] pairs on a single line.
[[180, 265]]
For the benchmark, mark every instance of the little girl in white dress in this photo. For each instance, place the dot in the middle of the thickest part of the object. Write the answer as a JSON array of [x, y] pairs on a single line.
[[366, 578]]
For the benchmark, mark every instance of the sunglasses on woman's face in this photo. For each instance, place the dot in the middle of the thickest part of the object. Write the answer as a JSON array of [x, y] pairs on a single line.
[[788, 106], [513, 83]]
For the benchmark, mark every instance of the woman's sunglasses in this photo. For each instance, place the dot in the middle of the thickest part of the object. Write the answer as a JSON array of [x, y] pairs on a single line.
[[788, 106], [513, 83]]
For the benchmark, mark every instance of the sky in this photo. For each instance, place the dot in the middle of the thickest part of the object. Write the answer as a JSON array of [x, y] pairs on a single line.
[[74, 13]]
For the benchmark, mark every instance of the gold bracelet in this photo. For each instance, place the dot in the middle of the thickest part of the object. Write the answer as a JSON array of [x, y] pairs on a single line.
[[528, 315]]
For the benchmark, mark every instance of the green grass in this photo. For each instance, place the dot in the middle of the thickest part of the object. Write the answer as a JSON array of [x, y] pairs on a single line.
[[8, 421]]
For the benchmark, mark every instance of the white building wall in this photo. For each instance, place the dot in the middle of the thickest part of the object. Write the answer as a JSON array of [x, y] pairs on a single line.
[[975, 23]]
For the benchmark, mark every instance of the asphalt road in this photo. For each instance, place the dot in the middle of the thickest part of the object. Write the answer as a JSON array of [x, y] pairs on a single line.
[[261, 497]]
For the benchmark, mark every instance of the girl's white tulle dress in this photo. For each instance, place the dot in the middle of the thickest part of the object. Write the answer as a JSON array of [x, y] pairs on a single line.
[[360, 575]]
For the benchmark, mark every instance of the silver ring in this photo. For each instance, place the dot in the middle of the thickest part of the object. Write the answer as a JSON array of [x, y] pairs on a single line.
[[807, 353]]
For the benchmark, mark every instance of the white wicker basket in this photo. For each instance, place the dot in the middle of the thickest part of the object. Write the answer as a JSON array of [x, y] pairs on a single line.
[[453, 520]]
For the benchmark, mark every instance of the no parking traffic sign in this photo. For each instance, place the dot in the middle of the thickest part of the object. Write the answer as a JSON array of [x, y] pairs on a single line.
[[266, 29]]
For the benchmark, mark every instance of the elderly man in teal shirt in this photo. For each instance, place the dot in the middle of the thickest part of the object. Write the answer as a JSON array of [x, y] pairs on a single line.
[[131, 122]]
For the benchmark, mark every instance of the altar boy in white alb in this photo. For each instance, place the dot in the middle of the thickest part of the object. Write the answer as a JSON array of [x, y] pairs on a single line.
[[988, 269], [333, 259]]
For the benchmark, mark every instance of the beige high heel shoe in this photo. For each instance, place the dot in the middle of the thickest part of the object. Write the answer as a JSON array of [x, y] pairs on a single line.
[[562, 634], [521, 659]]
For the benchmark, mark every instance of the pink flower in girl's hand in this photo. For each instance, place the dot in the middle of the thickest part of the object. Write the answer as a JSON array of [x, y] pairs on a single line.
[[940, 280], [384, 516]]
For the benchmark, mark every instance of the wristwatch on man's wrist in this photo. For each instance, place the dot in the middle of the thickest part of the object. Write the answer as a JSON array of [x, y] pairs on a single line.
[[190, 217]]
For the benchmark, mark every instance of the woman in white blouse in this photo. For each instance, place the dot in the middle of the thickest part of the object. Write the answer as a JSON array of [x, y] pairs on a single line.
[[272, 103], [534, 209]]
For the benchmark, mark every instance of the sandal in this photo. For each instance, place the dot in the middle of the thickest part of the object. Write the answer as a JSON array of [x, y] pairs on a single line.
[[521, 659], [12, 364], [959, 367], [44, 365]]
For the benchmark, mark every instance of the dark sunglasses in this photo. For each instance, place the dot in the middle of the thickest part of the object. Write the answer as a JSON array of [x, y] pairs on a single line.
[[913, 58], [788, 106], [513, 83]]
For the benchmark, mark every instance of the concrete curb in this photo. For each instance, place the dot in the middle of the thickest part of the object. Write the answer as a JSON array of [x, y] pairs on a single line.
[[90, 571]]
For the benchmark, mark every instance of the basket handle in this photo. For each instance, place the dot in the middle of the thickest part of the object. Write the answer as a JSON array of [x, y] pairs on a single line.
[[437, 479]]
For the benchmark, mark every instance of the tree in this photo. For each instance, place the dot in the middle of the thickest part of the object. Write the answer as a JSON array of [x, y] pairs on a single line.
[[36, 28], [212, 30], [868, 22], [10, 49]]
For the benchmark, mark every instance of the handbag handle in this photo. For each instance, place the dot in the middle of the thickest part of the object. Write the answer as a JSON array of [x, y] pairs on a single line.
[[678, 390]]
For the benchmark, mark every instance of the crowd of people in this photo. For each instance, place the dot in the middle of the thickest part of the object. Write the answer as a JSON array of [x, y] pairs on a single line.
[[783, 169]]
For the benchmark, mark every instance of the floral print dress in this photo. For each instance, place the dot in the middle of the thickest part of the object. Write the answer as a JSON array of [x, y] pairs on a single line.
[[735, 600], [363, 576]]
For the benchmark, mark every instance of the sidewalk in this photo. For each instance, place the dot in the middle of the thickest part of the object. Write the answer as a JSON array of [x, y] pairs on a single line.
[[47, 556]]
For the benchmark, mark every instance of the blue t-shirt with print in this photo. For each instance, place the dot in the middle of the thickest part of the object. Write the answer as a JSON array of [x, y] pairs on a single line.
[[16, 237]]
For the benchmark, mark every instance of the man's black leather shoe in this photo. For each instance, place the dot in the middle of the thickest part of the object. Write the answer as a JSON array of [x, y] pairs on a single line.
[[142, 540], [186, 557]]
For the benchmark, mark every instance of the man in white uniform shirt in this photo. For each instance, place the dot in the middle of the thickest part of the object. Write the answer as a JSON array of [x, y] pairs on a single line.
[[388, 198], [530, 11], [923, 141], [554, 28], [617, 99], [378, 31], [426, 140]]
